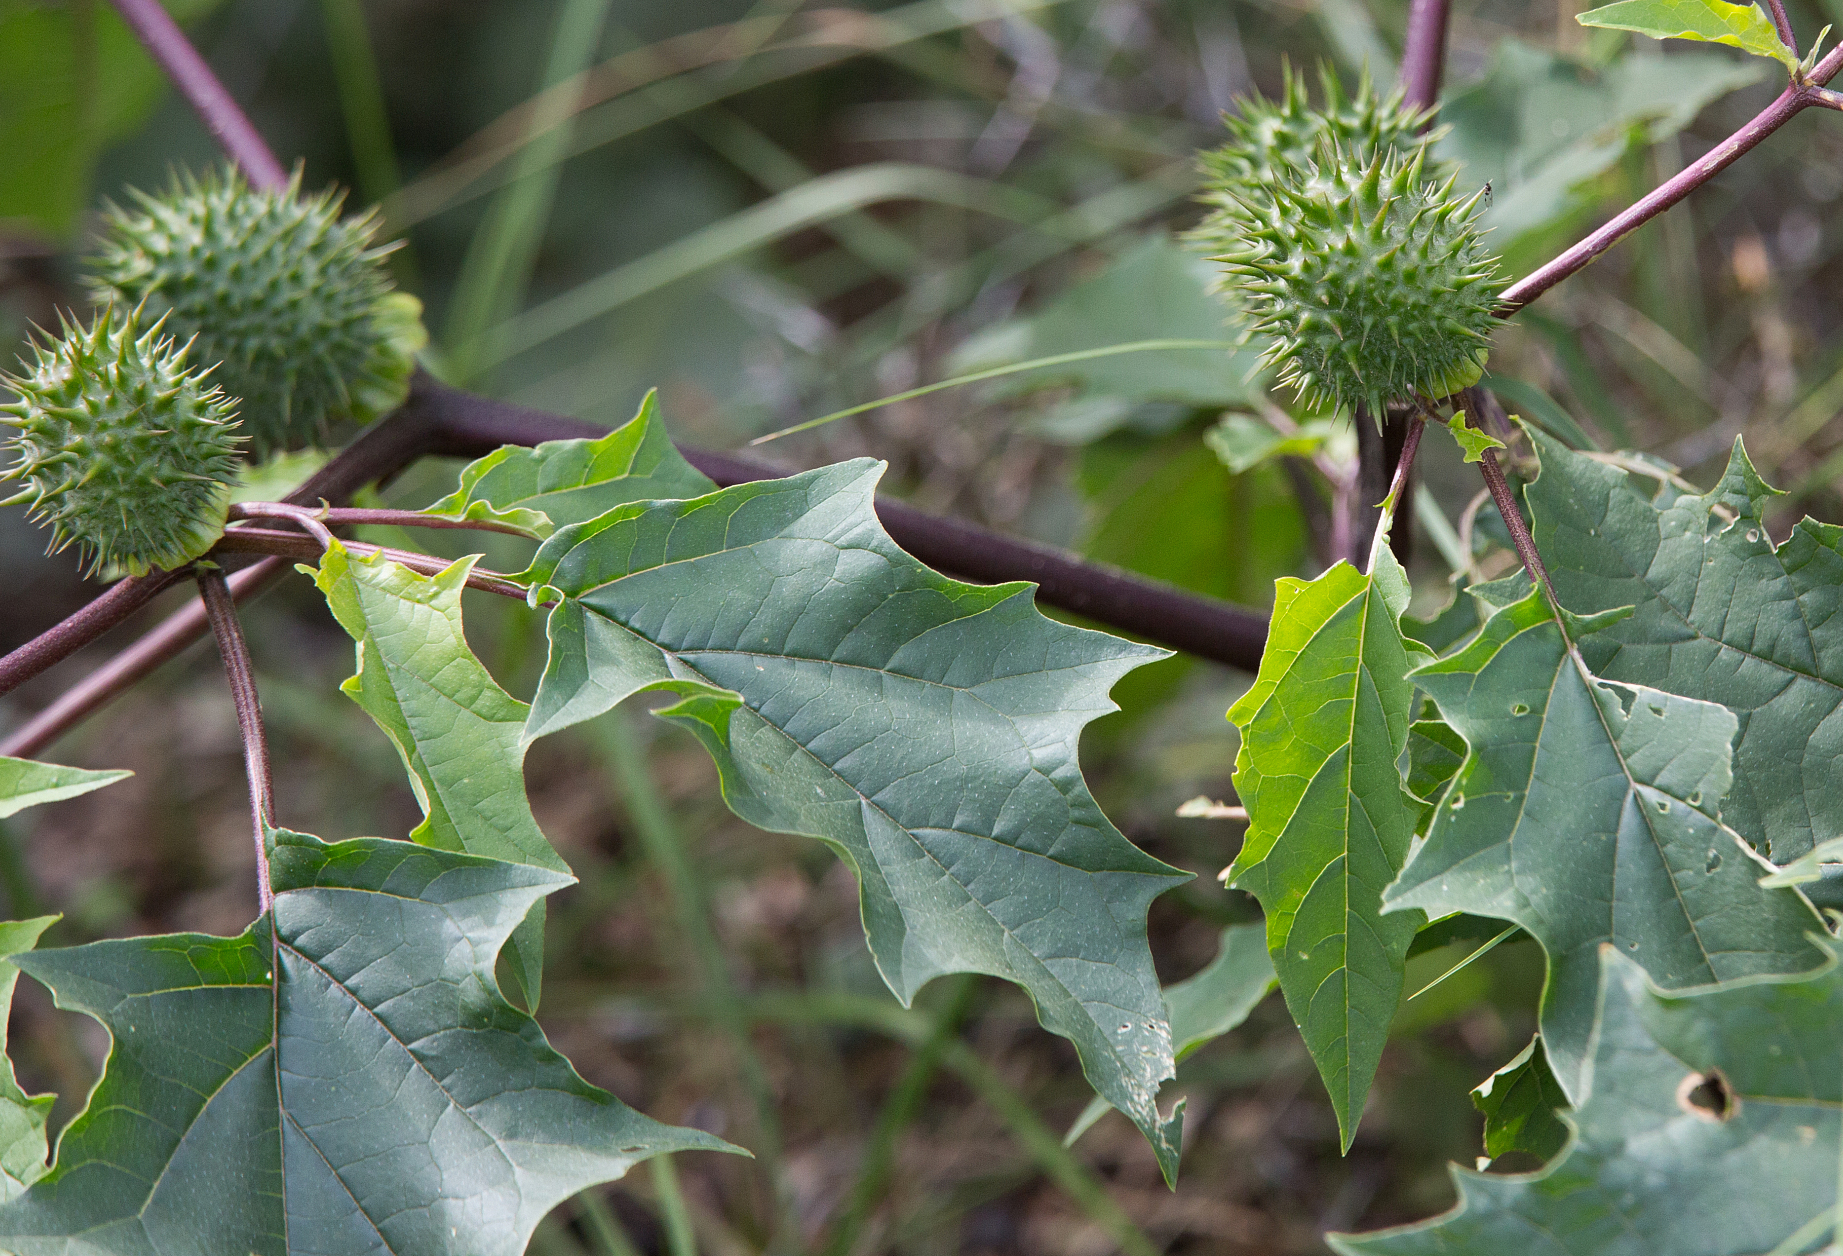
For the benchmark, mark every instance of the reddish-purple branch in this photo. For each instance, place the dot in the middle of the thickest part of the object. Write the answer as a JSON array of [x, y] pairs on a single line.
[[1423, 54], [221, 610], [356, 516], [1784, 24], [168, 45], [1789, 103], [177, 631]]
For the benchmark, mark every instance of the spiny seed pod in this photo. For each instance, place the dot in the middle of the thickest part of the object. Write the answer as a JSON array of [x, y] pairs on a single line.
[[1368, 285], [1272, 141], [125, 451], [293, 303]]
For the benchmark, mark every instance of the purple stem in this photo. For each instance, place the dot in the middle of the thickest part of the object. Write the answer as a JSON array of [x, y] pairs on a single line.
[[354, 516], [309, 548], [1518, 528], [174, 634], [168, 45], [1784, 23], [1794, 98], [1423, 54], [222, 612]]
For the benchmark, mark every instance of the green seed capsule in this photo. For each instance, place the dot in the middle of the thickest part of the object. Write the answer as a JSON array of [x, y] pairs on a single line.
[[124, 451], [1274, 141], [292, 302], [1367, 285]]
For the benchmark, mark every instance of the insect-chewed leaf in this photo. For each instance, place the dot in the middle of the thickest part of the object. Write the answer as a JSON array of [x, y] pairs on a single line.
[[344, 1077], [924, 728], [457, 731], [1743, 26], [1719, 613], [1329, 823], [570, 481], [1712, 1130], [1587, 813]]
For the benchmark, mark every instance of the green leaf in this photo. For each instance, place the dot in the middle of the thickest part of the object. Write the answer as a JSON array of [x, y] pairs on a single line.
[[1209, 1004], [925, 729], [1472, 442], [1720, 614], [458, 732], [1214, 1001], [1435, 752], [25, 783], [1521, 1103], [22, 1116], [1155, 290], [1743, 26], [1587, 813], [73, 80], [343, 1077], [1243, 442], [1660, 1166], [569, 481], [1820, 862], [1329, 823]]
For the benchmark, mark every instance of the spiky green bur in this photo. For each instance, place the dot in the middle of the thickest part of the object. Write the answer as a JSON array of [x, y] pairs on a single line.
[[125, 451], [1271, 141], [291, 301], [1367, 284]]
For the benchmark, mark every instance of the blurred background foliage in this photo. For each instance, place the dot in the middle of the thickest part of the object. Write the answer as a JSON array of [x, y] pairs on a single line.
[[771, 209]]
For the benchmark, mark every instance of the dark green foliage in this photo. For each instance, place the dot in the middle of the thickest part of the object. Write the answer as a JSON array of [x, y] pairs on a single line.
[[125, 451], [343, 1077], [292, 301]]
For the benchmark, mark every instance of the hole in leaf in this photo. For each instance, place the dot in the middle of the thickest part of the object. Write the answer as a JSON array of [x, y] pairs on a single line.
[[1656, 709], [1714, 861], [1519, 708], [1663, 806], [1708, 1096], [1458, 801], [1695, 799], [1753, 535]]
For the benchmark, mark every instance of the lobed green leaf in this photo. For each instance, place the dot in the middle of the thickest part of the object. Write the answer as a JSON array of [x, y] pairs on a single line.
[[1720, 614], [343, 1077], [1329, 822], [458, 732], [925, 729], [1712, 1129], [1589, 813], [560, 482]]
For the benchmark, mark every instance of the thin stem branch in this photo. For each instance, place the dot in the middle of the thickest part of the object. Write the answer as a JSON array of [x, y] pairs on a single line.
[[1398, 487], [356, 516], [1513, 521], [1570, 260], [174, 634], [1827, 98], [1787, 36], [222, 612], [310, 548], [61, 640], [1423, 54], [168, 46]]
